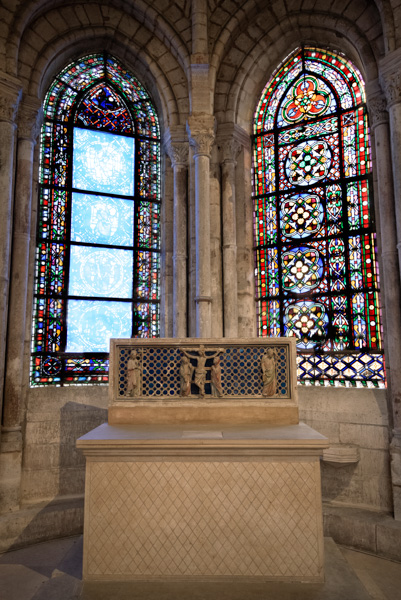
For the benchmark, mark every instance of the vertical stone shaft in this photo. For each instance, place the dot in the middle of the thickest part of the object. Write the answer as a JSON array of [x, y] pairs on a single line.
[[201, 137], [390, 266], [180, 251], [395, 128], [229, 249], [199, 27], [9, 98], [202, 228], [27, 130]]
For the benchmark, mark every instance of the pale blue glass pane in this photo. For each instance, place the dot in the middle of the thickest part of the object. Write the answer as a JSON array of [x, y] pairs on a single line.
[[103, 162], [91, 324], [100, 272], [102, 220]]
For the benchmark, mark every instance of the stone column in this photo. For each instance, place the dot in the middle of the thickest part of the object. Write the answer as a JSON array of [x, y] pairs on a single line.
[[230, 150], [28, 131], [391, 82], [10, 93], [391, 240], [201, 137], [178, 153]]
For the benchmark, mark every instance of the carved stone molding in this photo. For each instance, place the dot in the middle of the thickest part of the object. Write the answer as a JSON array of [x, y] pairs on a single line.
[[10, 95], [377, 111], [29, 119], [201, 133]]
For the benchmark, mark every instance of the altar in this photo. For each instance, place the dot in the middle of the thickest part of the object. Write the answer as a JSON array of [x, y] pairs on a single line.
[[203, 470]]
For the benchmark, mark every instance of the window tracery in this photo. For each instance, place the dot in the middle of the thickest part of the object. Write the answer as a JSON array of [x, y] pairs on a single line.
[[315, 244], [97, 257]]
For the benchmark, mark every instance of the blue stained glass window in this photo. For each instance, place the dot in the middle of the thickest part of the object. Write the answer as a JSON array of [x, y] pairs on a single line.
[[103, 162], [98, 250], [102, 220], [103, 272], [91, 324]]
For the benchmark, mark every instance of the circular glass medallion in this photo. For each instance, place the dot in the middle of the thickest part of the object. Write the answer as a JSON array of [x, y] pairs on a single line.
[[302, 269], [308, 162], [301, 216]]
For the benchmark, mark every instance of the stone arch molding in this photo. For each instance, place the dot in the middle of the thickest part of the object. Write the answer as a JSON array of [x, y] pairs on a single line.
[[238, 87], [47, 36]]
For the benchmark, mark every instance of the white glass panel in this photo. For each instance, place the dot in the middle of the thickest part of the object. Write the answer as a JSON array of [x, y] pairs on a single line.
[[102, 220], [103, 162], [91, 324], [100, 272]]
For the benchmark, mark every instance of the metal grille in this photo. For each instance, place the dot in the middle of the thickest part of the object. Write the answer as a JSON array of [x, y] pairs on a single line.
[[241, 372]]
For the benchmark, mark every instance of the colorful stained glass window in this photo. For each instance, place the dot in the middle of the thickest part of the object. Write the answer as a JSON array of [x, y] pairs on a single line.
[[97, 257], [315, 244]]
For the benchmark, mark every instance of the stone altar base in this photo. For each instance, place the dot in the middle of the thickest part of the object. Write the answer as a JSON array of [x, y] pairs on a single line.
[[204, 502]]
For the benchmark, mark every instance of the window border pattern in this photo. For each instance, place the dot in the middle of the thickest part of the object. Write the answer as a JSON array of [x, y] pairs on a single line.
[[50, 364], [314, 109]]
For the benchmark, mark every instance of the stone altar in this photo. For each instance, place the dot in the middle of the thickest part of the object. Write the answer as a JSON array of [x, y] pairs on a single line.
[[203, 486]]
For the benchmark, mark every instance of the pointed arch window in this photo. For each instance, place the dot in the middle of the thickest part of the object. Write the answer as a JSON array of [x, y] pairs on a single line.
[[98, 241], [315, 245]]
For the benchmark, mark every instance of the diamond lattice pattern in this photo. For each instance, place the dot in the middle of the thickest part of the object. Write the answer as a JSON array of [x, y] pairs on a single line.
[[203, 518]]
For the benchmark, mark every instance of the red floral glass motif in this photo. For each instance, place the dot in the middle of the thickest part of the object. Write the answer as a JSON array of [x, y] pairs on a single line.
[[307, 100]]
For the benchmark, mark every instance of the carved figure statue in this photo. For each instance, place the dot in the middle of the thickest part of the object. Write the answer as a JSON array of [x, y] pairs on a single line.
[[215, 378], [269, 373], [186, 371], [134, 374], [200, 369]]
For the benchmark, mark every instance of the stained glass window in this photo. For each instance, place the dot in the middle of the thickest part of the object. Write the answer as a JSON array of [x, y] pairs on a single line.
[[315, 245], [97, 257]]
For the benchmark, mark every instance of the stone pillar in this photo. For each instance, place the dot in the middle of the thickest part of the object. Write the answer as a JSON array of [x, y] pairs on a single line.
[[10, 93], [201, 137], [390, 215], [178, 153], [230, 150], [28, 131], [391, 82]]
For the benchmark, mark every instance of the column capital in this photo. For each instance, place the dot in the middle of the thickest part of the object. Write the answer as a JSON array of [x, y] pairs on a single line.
[[30, 116], [390, 77], [201, 129], [230, 149], [10, 96], [177, 152], [378, 113]]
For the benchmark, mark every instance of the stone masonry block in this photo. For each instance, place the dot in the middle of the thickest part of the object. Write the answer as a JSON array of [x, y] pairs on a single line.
[[374, 463], [366, 436]]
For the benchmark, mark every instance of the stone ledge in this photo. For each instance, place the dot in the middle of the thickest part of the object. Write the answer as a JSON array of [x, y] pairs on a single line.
[[59, 518], [369, 531]]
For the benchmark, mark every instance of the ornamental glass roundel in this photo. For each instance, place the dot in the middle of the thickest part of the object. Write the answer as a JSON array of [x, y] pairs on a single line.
[[308, 162], [301, 215], [315, 244]]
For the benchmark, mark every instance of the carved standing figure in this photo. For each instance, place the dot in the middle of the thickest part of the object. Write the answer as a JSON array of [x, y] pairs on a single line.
[[134, 374], [215, 378], [269, 376], [186, 371]]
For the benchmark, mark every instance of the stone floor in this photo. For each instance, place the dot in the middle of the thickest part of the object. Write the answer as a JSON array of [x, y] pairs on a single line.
[[52, 571]]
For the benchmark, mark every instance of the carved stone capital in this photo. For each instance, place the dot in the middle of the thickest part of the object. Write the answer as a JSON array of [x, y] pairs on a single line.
[[177, 152], [201, 133], [10, 95], [29, 119], [377, 111], [391, 84], [229, 150]]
